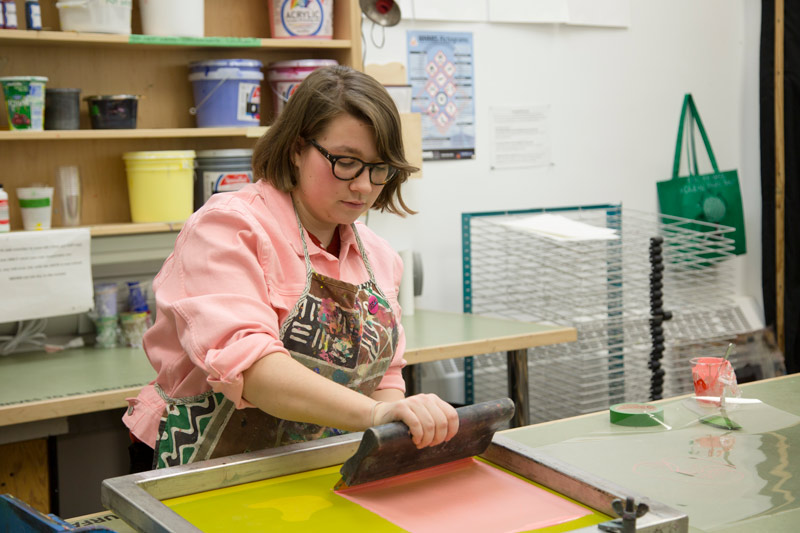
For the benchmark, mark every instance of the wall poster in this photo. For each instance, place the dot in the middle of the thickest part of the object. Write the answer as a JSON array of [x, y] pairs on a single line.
[[440, 72]]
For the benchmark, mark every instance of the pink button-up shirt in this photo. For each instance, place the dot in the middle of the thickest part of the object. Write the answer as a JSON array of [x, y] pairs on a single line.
[[235, 274]]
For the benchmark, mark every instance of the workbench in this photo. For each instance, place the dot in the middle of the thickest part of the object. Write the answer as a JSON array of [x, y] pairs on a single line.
[[726, 481], [45, 388]]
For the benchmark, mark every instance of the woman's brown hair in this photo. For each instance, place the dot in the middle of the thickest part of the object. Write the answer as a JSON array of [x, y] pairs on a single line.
[[325, 94]]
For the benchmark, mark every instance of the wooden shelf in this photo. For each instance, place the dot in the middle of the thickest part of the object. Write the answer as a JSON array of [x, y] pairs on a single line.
[[108, 230], [144, 133], [72, 38], [127, 228]]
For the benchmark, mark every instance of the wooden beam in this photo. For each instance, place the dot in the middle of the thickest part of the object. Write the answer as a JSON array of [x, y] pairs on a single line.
[[780, 178]]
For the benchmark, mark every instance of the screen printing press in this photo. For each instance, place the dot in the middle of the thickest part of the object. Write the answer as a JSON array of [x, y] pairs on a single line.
[[506, 487]]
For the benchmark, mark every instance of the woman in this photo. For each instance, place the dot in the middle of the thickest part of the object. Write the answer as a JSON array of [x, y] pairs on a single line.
[[277, 317]]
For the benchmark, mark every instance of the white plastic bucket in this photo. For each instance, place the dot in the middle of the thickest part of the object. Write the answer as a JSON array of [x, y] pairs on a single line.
[[98, 16], [285, 76], [179, 18], [308, 19]]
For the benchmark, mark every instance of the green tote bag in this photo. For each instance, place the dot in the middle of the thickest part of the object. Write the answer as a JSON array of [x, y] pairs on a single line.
[[714, 197]]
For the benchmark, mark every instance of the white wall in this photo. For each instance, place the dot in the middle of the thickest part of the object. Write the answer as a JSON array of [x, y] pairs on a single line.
[[615, 97]]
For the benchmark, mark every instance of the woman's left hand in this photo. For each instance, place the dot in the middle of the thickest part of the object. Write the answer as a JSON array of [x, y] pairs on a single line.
[[431, 420]]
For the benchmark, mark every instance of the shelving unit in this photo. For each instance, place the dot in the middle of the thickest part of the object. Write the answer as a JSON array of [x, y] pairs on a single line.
[[139, 133], [156, 69]]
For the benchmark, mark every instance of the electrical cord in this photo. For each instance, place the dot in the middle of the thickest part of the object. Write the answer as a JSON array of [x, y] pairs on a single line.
[[30, 334]]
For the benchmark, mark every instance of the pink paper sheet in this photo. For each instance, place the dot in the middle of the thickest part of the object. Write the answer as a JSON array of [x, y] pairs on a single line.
[[465, 496]]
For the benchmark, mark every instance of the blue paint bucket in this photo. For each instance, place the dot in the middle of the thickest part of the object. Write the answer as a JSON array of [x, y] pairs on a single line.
[[227, 92]]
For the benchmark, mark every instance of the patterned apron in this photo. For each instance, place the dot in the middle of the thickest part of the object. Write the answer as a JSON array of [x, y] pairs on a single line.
[[344, 332]]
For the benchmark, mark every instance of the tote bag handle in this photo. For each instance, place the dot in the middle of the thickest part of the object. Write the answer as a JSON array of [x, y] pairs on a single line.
[[690, 109]]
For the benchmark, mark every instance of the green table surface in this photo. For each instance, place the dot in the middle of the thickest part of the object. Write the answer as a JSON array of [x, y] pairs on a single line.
[[432, 335], [40, 386], [725, 481]]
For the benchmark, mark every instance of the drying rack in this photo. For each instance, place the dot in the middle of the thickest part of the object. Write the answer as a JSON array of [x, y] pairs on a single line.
[[603, 288]]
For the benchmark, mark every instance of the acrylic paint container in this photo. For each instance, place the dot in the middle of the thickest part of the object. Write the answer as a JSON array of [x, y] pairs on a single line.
[[95, 16], [285, 76], [221, 171], [160, 185], [179, 18], [301, 19], [227, 92], [113, 111], [24, 101], [62, 109]]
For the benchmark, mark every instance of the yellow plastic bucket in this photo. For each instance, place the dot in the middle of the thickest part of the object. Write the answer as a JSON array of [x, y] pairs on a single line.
[[160, 185]]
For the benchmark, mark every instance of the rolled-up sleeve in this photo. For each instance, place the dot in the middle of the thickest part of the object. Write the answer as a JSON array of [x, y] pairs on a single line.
[[222, 311]]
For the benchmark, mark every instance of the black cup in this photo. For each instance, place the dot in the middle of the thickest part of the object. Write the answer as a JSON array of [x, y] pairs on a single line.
[[62, 109]]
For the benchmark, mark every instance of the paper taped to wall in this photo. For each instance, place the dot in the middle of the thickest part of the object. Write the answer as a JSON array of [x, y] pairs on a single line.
[[45, 273]]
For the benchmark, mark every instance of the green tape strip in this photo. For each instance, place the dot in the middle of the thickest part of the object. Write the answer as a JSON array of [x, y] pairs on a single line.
[[228, 42], [636, 414], [35, 202]]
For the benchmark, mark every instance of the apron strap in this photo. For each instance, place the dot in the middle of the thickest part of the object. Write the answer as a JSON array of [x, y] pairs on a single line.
[[309, 268], [364, 256]]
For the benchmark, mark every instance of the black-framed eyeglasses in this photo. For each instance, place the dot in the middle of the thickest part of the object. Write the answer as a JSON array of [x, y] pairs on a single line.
[[347, 168]]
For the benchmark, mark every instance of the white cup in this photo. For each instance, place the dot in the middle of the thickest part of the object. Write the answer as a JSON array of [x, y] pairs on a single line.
[[36, 206], [68, 192]]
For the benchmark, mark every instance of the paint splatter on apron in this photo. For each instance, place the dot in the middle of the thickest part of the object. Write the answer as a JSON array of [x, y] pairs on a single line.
[[344, 332]]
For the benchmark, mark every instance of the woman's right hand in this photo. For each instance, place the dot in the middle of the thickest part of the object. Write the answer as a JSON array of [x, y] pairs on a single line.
[[431, 420]]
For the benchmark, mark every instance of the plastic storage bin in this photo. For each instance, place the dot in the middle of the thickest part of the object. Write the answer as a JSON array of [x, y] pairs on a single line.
[[179, 18], [160, 185], [98, 16]]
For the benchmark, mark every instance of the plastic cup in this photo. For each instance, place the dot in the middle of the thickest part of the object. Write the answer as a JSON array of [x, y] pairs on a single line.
[[62, 109], [137, 302], [706, 374], [68, 192], [133, 327], [107, 332], [105, 299], [36, 207]]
